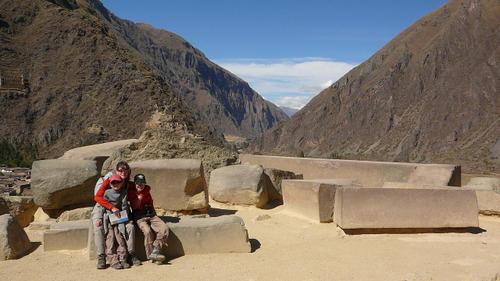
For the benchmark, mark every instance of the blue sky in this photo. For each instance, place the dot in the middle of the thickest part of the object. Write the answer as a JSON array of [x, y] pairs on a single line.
[[288, 51]]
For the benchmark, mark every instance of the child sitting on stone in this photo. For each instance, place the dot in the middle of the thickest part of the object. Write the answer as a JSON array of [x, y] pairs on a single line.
[[144, 215], [116, 234]]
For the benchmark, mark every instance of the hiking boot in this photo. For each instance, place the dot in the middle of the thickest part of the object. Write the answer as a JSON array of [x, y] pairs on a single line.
[[155, 256], [101, 262], [117, 265], [134, 260], [125, 264]]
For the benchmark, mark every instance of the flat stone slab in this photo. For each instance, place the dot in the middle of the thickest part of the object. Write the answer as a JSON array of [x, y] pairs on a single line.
[[195, 235], [365, 173], [70, 235], [176, 184], [97, 152], [191, 235], [312, 199], [405, 208]]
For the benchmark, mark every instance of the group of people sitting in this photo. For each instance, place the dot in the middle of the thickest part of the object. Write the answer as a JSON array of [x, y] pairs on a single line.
[[121, 205]]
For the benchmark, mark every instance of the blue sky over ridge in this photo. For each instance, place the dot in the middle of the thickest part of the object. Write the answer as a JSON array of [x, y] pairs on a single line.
[[288, 51]]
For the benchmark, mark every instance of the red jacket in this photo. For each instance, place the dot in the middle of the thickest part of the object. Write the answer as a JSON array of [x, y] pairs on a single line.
[[99, 196], [139, 199]]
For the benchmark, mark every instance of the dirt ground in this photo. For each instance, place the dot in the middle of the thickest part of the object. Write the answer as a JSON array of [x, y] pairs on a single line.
[[291, 248]]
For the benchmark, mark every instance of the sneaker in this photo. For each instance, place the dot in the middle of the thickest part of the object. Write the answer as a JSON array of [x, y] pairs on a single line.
[[117, 265], [155, 256], [125, 264], [101, 262], [134, 260]]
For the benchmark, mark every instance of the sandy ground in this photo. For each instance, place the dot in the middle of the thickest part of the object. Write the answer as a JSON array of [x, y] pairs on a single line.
[[290, 248]]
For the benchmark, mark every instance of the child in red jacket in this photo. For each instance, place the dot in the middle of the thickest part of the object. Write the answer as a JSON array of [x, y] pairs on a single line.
[[144, 214]]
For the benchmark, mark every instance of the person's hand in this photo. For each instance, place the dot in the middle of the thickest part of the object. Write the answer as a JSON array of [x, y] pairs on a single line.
[[116, 211], [98, 223]]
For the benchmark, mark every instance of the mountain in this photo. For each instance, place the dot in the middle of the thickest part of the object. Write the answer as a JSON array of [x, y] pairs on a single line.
[[75, 74], [432, 94], [288, 110]]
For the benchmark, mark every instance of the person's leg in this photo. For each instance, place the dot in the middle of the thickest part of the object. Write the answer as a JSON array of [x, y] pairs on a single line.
[[121, 250], [161, 230], [131, 237], [130, 228], [98, 228], [111, 256], [148, 235]]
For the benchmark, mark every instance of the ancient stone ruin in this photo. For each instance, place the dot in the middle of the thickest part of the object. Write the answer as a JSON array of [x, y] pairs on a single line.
[[357, 196]]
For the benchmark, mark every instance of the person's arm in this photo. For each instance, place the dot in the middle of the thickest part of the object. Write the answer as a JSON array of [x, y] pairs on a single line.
[[99, 196]]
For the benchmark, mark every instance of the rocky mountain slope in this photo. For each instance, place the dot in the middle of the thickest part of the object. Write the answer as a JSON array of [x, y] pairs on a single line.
[[432, 94], [92, 77]]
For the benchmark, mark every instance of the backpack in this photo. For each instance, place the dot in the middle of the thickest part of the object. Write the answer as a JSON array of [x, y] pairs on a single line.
[[100, 181]]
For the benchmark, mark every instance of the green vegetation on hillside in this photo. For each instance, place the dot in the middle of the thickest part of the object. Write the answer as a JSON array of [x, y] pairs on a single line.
[[15, 155]]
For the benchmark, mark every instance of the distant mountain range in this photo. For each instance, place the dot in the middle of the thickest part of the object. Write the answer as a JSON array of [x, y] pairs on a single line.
[[432, 94], [289, 111], [90, 77]]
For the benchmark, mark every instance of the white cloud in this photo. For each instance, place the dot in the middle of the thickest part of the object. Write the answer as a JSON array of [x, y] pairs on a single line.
[[288, 82], [296, 102]]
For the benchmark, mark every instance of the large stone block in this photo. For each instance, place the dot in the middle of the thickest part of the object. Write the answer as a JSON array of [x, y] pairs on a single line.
[[312, 199], [240, 184], [191, 235], [97, 152], [63, 184], [177, 184], [70, 235], [366, 173], [14, 243], [405, 208], [22, 208]]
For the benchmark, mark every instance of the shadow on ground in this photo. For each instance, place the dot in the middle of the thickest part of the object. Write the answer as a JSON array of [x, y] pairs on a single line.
[[217, 212], [472, 230], [254, 244], [33, 247]]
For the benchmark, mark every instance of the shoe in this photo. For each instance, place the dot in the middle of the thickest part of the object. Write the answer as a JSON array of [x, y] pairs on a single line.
[[101, 262], [156, 257], [134, 260], [117, 265], [125, 264]]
